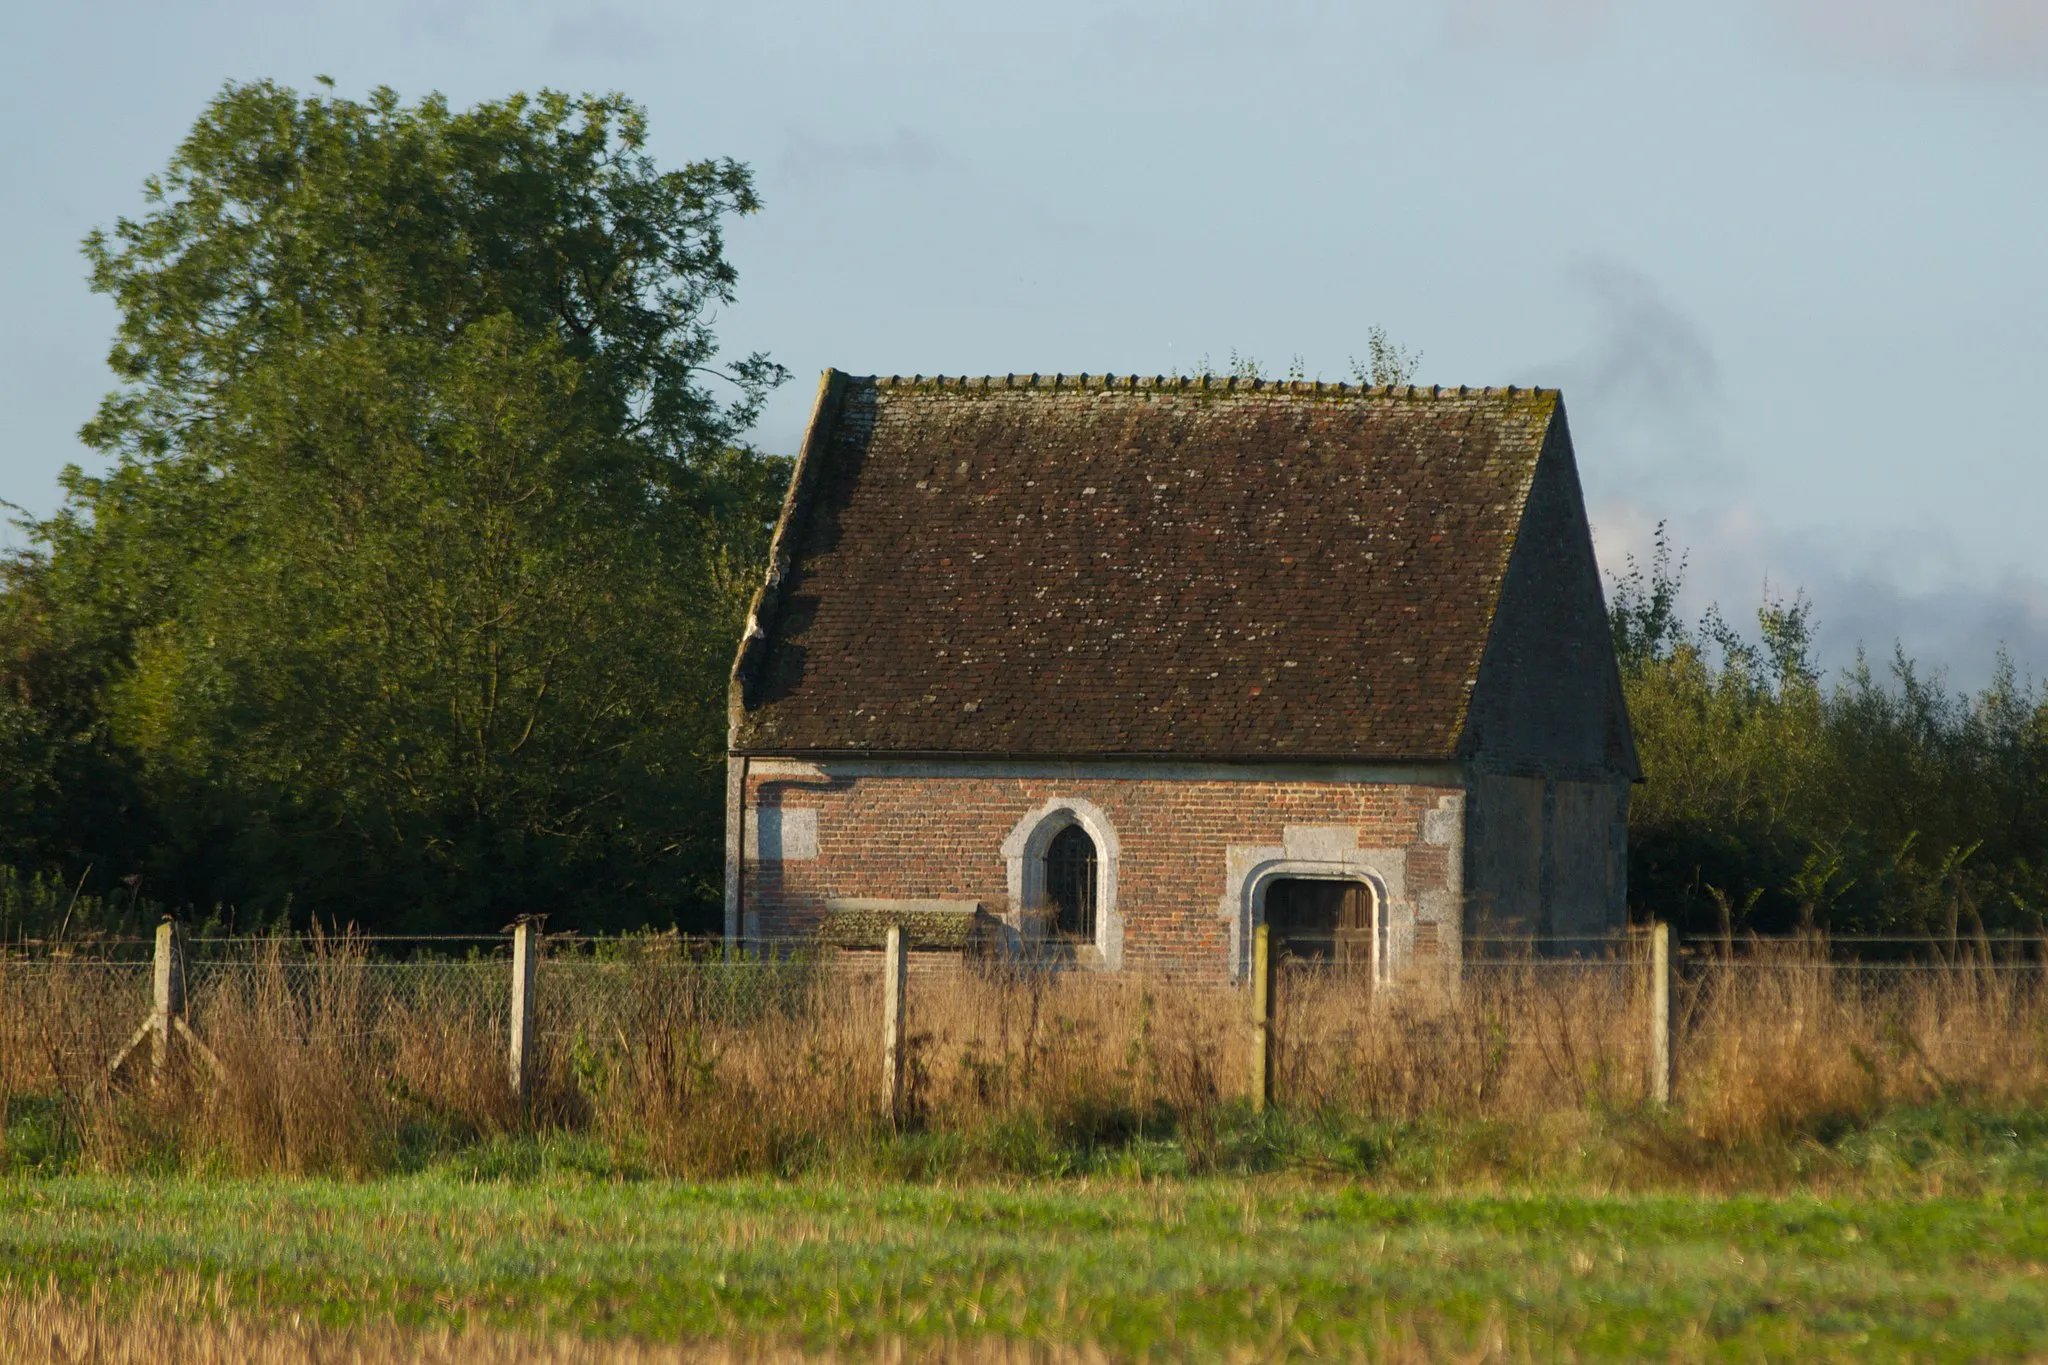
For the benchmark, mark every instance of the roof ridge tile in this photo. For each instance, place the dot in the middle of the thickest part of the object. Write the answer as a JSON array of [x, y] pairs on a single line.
[[1064, 382]]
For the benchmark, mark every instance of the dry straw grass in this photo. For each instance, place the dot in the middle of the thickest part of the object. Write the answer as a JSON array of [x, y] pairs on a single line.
[[61, 1020], [1515, 1041], [185, 1322], [695, 1066], [1788, 1041], [709, 1069], [713, 1069]]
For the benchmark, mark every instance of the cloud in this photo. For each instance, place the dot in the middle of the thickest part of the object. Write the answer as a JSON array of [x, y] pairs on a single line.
[[1956, 630], [806, 157], [1998, 39], [1955, 39], [1727, 552], [570, 28], [1144, 31], [1557, 24], [1645, 389], [1736, 557], [1647, 351], [451, 20]]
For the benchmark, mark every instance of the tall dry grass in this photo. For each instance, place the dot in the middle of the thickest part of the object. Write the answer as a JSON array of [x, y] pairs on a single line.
[[188, 1322], [705, 1067], [1077, 1060], [710, 1068], [1788, 1040], [331, 1061], [1776, 1040], [317, 1065], [63, 1018], [1504, 1041]]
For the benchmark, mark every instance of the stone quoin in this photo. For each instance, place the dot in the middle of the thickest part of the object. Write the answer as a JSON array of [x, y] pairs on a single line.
[[1132, 666]]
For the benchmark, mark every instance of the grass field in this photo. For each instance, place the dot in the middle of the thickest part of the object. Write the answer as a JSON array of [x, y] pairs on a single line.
[[1851, 1168], [1231, 1268]]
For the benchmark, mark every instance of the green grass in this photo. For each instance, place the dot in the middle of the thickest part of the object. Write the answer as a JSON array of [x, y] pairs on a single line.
[[1277, 1264]]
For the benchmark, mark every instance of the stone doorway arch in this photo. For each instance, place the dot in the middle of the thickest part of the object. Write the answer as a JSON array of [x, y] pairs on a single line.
[[1334, 921]]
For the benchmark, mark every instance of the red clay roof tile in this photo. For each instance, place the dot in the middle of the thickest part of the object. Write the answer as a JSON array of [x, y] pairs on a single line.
[[1068, 567]]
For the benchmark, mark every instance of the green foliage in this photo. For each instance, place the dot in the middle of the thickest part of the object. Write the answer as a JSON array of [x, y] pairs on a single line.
[[409, 594], [1644, 611], [60, 772], [1877, 804], [37, 905], [285, 223], [38, 1137]]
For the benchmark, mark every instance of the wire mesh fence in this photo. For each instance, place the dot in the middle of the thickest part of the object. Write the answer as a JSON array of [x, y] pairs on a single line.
[[1476, 1036], [606, 993], [1496, 1027], [349, 997], [63, 1019]]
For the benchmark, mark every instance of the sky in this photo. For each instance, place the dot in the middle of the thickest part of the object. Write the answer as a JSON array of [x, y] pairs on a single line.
[[1784, 257]]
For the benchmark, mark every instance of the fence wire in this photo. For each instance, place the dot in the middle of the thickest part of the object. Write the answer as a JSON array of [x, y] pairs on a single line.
[[344, 997], [62, 1021], [1545, 1024], [592, 999]]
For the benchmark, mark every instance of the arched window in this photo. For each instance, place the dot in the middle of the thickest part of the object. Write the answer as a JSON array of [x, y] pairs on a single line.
[[1070, 883]]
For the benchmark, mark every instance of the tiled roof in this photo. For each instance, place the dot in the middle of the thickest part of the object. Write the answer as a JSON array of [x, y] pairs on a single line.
[[1078, 566]]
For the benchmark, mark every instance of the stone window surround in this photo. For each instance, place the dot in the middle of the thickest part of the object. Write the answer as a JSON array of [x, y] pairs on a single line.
[[1024, 857]]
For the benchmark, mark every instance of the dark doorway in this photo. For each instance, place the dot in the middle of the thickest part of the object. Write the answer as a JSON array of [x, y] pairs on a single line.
[[1070, 883], [1321, 921]]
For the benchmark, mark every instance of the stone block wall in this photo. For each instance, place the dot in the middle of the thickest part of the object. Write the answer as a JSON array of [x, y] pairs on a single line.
[[1546, 859], [1187, 850]]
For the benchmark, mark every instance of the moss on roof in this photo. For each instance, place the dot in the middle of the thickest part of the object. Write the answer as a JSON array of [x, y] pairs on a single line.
[[1062, 566]]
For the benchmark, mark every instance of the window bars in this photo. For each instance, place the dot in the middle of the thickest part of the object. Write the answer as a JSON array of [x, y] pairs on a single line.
[[1070, 883]]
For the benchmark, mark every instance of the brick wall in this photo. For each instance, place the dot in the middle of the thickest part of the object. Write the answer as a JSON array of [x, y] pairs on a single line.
[[1185, 845]]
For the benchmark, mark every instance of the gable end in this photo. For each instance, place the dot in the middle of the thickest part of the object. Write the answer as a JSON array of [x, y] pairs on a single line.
[[1549, 699]]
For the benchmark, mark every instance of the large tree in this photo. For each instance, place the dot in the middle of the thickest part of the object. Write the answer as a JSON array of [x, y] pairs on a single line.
[[418, 564]]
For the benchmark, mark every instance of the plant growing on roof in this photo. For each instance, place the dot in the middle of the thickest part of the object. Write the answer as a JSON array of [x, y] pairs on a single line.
[[1386, 363]]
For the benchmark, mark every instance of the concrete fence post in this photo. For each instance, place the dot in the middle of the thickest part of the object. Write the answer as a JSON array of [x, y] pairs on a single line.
[[524, 954], [166, 1012], [168, 995], [894, 965], [1660, 1013], [1262, 1017]]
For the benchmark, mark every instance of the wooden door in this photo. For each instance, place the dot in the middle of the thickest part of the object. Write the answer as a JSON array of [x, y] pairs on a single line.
[[1354, 926], [1322, 921]]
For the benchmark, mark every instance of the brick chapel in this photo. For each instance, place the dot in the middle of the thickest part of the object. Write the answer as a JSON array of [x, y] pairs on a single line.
[[1132, 666]]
